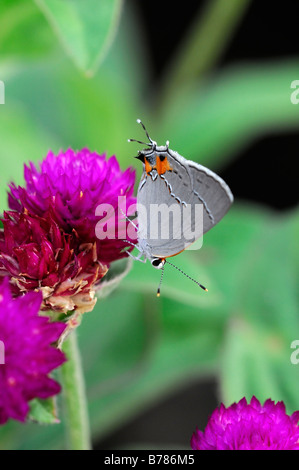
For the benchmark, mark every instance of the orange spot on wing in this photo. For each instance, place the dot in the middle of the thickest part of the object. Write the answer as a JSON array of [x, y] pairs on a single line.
[[148, 167], [162, 165]]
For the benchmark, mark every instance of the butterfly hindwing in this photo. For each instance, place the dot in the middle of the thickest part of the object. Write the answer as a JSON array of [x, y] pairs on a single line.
[[172, 192]]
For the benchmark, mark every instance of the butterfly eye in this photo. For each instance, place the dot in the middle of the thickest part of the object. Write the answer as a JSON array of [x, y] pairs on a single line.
[[140, 157]]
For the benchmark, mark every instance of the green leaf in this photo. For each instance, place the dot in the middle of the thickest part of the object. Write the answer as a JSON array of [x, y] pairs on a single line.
[[86, 29], [43, 411]]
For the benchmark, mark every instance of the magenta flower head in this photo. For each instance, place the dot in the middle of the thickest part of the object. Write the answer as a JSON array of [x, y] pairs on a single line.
[[73, 185], [38, 255], [249, 426], [27, 354]]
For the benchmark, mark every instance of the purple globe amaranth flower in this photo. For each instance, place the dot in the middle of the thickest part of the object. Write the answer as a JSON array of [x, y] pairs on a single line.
[[27, 353], [38, 255], [249, 426], [73, 184]]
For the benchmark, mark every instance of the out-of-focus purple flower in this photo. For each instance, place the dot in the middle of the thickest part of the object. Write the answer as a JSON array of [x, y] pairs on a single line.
[[28, 355], [38, 256], [249, 426], [72, 184]]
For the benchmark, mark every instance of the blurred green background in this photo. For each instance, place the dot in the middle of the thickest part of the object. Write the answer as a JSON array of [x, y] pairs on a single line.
[[78, 74]]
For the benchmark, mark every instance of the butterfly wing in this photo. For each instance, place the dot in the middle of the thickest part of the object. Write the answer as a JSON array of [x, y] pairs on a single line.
[[212, 191], [196, 184], [185, 186], [160, 218]]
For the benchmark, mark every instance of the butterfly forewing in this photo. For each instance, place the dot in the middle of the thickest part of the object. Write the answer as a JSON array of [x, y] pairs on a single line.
[[167, 216]]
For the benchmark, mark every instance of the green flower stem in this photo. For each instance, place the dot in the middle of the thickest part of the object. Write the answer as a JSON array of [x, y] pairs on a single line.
[[77, 422], [207, 40]]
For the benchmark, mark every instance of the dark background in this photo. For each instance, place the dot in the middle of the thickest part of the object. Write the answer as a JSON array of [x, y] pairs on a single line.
[[269, 30]]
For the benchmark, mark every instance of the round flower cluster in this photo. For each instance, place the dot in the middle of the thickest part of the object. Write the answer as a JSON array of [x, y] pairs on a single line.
[[27, 354], [49, 243], [249, 426]]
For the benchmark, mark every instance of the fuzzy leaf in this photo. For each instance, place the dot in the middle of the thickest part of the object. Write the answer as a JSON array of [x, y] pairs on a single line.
[[85, 29]]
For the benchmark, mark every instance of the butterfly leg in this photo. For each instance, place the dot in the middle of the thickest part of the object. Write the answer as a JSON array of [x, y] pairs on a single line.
[[128, 219], [138, 257]]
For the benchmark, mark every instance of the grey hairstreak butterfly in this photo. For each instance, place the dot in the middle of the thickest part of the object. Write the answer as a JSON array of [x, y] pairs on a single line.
[[169, 181]]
